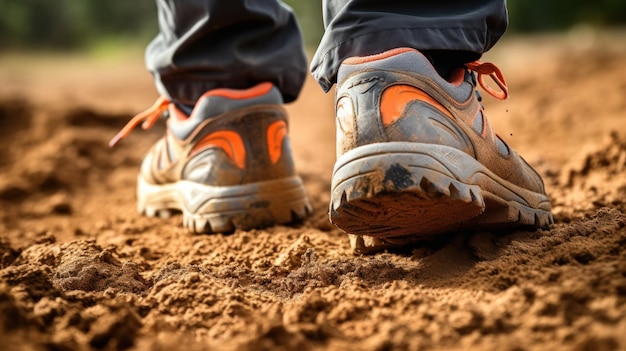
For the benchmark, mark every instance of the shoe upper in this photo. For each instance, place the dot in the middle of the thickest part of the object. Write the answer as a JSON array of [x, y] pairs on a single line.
[[232, 137], [398, 96]]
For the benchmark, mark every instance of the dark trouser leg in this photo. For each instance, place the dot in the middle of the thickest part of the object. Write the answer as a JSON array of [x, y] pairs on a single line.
[[208, 44], [366, 27]]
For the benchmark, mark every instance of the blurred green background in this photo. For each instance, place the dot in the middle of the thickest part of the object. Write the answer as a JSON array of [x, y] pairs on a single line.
[[93, 24]]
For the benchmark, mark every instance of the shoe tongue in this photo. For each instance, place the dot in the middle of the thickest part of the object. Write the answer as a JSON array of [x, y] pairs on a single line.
[[443, 68], [457, 76], [447, 62], [186, 109]]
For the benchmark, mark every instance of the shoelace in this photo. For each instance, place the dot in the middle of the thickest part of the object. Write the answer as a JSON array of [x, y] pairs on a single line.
[[146, 118], [488, 68]]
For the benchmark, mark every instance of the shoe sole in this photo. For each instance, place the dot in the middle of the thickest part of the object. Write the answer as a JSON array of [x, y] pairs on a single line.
[[412, 190], [211, 209]]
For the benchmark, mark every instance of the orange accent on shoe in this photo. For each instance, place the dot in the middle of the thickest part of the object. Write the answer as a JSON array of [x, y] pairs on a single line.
[[238, 94], [363, 59], [395, 99], [227, 140], [276, 133], [147, 119], [494, 72]]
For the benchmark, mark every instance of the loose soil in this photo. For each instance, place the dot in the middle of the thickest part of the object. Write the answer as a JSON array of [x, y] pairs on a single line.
[[81, 270]]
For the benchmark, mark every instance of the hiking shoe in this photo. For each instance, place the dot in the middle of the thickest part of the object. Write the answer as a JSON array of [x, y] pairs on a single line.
[[226, 165], [417, 157]]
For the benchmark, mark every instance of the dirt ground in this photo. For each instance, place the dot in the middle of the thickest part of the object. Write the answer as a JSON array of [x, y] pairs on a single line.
[[81, 270]]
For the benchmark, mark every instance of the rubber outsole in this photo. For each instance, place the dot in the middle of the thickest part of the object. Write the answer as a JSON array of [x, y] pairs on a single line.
[[210, 209], [400, 191]]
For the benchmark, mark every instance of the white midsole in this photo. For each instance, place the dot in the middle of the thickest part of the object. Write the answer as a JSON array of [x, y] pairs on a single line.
[[192, 197]]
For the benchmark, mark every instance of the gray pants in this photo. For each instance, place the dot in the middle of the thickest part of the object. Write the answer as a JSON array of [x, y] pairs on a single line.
[[208, 44]]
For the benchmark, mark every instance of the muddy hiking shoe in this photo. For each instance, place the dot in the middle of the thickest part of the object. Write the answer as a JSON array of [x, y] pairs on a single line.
[[227, 165], [416, 155]]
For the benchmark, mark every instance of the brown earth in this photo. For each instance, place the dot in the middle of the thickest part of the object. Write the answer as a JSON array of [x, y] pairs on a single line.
[[80, 270]]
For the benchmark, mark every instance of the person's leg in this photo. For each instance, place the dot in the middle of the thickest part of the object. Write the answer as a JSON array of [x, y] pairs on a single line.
[[367, 27], [208, 44], [224, 68], [416, 155]]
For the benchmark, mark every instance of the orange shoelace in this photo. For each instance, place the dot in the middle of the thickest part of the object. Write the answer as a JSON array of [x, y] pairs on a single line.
[[146, 118], [488, 68]]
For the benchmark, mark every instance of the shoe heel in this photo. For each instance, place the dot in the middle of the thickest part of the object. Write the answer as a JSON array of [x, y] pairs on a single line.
[[211, 209], [400, 194]]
